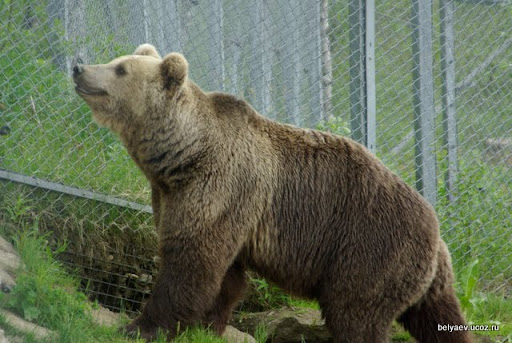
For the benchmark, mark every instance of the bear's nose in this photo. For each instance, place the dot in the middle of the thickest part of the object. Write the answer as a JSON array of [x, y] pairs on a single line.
[[77, 70]]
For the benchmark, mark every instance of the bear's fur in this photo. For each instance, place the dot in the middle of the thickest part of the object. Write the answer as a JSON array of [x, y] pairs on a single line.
[[315, 213]]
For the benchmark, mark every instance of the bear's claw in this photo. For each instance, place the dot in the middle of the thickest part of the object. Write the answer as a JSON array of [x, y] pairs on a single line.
[[135, 330]]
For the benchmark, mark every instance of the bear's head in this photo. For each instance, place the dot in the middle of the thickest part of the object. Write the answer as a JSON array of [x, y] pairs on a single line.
[[129, 88]]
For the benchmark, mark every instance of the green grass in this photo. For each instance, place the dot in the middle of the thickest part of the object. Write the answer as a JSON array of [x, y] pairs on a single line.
[[491, 309], [479, 221], [483, 308], [46, 295]]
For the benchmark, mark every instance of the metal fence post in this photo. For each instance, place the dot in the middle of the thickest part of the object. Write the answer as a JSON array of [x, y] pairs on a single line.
[[326, 60], [312, 29], [75, 28], [362, 72], [288, 29], [172, 32], [233, 50], [146, 18], [447, 12], [371, 93], [216, 48], [423, 98], [136, 23], [261, 64]]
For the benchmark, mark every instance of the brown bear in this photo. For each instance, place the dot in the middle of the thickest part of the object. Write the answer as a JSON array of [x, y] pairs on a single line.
[[315, 213]]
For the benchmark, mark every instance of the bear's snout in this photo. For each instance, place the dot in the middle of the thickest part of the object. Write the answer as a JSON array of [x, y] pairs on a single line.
[[89, 80]]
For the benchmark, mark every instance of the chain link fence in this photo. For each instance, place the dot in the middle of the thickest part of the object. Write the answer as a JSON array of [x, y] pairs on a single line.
[[426, 86]]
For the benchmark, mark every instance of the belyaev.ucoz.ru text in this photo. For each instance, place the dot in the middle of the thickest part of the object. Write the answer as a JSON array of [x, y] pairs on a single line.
[[451, 328]]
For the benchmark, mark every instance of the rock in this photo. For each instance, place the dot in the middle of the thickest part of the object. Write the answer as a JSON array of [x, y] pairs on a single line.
[[499, 143], [103, 316], [22, 325], [233, 335], [9, 263], [3, 339], [499, 150], [287, 325], [5, 130]]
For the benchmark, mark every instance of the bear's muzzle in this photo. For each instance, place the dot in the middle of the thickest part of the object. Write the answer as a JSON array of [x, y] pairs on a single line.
[[82, 86]]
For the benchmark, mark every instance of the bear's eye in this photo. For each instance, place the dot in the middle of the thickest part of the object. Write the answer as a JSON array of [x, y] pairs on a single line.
[[120, 70]]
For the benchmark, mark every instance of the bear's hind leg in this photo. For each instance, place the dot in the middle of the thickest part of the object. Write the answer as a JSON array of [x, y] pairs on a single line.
[[358, 332], [354, 324], [423, 320], [438, 307], [232, 291]]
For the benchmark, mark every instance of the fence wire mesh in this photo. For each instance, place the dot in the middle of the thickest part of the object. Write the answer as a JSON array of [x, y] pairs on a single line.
[[427, 86]]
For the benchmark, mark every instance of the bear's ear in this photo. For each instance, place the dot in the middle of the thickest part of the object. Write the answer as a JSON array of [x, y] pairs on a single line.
[[146, 50], [174, 70]]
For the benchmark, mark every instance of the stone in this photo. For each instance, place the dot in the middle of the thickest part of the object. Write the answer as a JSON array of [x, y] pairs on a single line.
[[287, 325], [9, 263], [499, 150], [233, 335], [3, 339], [22, 325], [103, 316]]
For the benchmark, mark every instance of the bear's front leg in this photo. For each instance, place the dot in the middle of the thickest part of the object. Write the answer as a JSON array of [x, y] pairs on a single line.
[[191, 273], [141, 327], [232, 291]]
